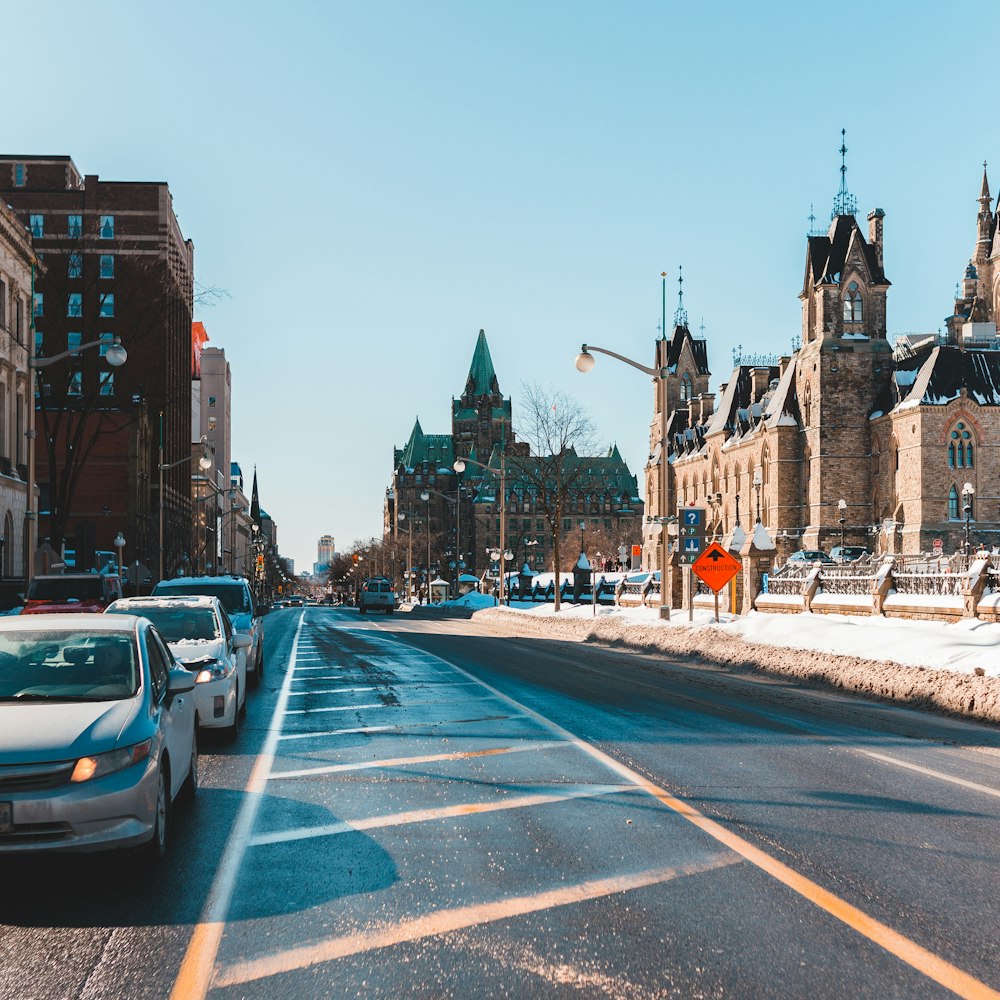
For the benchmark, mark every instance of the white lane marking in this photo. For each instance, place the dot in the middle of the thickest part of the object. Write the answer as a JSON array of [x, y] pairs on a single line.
[[325, 666], [458, 918], [444, 812], [369, 687], [195, 976], [366, 765], [337, 708], [926, 771], [398, 726]]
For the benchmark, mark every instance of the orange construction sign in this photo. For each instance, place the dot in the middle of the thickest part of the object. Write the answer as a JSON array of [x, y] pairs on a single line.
[[716, 566]]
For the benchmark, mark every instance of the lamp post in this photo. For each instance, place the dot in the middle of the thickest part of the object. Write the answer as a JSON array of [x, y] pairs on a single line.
[[842, 507], [758, 482], [968, 492], [119, 544], [426, 497], [459, 466], [116, 356], [582, 526], [204, 463], [409, 558], [585, 362]]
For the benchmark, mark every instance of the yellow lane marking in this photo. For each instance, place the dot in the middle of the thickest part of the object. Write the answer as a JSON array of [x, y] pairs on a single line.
[[195, 976], [972, 785], [431, 758], [458, 918], [444, 812], [905, 949]]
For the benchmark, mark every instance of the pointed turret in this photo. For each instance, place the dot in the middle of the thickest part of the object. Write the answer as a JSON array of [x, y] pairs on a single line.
[[255, 500], [985, 223], [482, 378]]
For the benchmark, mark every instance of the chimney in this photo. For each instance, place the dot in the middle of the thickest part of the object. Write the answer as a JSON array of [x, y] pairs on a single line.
[[760, 379], [875, 225], [707, 401], [786, 360]]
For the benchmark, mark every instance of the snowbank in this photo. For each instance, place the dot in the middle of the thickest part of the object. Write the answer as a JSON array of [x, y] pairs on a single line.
[[951, 667]]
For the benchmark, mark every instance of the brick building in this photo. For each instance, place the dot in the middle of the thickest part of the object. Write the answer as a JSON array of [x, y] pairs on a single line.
[[115, 264], [604, 494], [17, 265], [846, 427]]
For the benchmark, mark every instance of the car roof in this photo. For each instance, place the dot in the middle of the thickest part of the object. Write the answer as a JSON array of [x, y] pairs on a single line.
[[69, 622], [179, 601], [177, 580]]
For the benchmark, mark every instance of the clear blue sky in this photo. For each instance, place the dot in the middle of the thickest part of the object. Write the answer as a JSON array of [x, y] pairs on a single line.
[[375, 182]]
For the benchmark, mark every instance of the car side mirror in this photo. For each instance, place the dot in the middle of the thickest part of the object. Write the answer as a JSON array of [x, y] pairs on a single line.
[[180, 681], [241, 641], [263, 609]]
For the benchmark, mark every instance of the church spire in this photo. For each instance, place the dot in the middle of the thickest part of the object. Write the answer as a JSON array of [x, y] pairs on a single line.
[[985, 223], [482, 380], [844, 203], [255, 500], [680, 315]]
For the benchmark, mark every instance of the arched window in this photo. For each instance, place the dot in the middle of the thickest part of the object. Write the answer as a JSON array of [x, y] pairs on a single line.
[[953, 503], [961, 447], [685, 386], [765, 465], [852, 304], [807, 404]]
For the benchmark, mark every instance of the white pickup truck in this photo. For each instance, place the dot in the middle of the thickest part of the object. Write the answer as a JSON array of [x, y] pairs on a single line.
[[377, 595]]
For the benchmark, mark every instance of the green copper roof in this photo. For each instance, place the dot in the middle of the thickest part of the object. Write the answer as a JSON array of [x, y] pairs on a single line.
[[435, 449], [481, 373]]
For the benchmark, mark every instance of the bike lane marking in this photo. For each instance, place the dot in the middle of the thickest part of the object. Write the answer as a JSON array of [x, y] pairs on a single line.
[[194, 979]]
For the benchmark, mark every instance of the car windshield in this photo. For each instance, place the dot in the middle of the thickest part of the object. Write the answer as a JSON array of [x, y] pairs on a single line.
[[70, 665], [60, 590], [177, 624], [232, 596]]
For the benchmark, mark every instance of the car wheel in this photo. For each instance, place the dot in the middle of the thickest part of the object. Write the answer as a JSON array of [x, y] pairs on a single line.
[[190, 787], [231, 732], [155, 850], [388, 611], [361, 609]]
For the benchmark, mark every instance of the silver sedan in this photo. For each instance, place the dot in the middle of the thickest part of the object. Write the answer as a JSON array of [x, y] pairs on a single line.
[[96, 734]]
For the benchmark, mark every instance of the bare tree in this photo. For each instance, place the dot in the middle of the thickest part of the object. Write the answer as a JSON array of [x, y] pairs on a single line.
[[557, 429]]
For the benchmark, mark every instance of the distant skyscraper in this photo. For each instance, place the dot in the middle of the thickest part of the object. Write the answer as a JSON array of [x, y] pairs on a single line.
[[325, 550]]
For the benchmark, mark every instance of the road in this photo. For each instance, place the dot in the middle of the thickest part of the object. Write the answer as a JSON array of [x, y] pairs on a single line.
[[429, 808]]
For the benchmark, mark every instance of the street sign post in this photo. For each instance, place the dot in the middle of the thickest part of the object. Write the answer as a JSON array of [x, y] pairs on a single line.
[[716, 567], [691, 525]]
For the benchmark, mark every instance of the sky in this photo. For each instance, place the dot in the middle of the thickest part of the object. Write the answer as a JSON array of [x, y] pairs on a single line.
[[373, 183]]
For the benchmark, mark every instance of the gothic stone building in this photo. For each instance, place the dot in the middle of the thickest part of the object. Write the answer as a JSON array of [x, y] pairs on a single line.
[[606, 498], [845, 426]]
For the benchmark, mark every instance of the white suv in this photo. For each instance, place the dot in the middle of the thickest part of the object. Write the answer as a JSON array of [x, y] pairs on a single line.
[[236, 597]]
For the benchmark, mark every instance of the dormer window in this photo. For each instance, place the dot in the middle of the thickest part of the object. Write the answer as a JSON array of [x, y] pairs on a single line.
[[853, 312]]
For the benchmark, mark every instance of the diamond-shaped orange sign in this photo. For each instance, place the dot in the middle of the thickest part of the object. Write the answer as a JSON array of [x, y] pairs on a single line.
[[716, 566]]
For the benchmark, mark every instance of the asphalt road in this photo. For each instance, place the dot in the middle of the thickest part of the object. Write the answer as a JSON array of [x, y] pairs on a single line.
[[426, 808]]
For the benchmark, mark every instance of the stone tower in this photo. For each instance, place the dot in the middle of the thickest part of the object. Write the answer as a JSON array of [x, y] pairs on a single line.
[[481, 416], [844, 361]]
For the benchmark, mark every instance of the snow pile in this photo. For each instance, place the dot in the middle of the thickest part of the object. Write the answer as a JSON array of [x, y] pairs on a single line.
[[473, 600], [953, 667]]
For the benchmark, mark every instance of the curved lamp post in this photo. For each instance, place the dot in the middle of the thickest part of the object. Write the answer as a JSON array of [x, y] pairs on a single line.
[[115, 355], [204, 463], [459, 467], [968, 492], [585, 362]]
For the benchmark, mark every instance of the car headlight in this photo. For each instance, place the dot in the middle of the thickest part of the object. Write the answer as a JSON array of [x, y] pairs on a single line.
[[209, 668], [101, 764]]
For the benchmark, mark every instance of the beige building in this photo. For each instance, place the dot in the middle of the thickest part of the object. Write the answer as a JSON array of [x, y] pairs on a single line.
[[17, 262], [846, 437]]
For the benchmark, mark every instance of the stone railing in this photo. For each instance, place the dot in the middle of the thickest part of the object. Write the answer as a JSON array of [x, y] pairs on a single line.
[[848, 578]]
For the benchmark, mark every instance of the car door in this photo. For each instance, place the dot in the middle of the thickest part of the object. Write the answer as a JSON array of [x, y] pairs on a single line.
[[175, 715], [238, 655]]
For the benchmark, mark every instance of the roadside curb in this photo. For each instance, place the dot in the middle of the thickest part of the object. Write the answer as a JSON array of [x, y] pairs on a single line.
[[946, 691]]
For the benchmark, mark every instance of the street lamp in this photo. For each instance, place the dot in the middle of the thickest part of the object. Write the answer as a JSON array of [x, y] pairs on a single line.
[[115, 355], [758, 482], [426, 497], [842, 507], [585, 362], [582, 526], [968, 492], [409, 557], [204, 463], [119, 544], [502, 473]]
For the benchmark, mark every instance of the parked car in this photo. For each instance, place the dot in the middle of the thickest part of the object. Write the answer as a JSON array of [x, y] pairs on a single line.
[[848, 553], [202, 639], [97, 734], [377, 595], [71, 593], [236, 597], [809, 556]]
